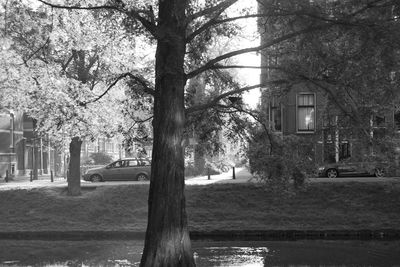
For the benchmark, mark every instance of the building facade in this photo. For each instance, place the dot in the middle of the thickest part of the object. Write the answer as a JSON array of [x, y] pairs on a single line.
[[21, 149], [312, 112]]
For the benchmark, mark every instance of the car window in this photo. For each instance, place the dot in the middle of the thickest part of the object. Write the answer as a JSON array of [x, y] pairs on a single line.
[[145, 162], [132, 163], [117, 164]]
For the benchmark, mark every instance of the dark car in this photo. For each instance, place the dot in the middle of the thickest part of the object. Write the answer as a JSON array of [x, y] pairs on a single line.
[[135, 169], [348, 168]]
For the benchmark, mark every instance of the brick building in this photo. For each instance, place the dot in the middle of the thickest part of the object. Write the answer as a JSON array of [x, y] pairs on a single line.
[[305, 110], [21, 149]]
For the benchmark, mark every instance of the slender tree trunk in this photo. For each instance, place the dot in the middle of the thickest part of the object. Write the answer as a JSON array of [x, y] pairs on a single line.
[[167, 240], [199, 159], [74, 177]]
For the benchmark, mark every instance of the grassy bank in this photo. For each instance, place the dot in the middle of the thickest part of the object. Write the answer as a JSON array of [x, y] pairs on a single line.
[[323, 206]]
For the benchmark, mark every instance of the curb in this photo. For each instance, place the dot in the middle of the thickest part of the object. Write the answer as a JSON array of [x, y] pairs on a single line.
[[248, 235], [72, 235], [239, 235]]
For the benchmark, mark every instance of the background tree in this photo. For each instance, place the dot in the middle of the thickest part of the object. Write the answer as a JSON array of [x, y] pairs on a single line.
[[69, 64]]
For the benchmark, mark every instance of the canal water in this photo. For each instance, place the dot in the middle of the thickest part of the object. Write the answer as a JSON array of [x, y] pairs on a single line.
[[207, 253]]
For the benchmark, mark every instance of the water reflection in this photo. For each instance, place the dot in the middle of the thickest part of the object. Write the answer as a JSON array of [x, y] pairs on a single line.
[[231, 256], [207, 254]]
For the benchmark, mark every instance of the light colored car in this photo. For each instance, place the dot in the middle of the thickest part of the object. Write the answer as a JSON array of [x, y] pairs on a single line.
[[133, 169], [348, 168]]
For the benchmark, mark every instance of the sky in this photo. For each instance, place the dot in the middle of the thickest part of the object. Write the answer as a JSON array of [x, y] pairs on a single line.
[[250, 39], [251, 77]]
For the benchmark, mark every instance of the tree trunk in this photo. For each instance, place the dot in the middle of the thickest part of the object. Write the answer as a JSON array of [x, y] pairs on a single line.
[[74, 177], [167, 240], [199, 159]]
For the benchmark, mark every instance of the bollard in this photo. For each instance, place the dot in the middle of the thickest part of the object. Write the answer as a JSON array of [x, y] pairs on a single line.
[[208, 173], [6, 176], [51, 176], [31, 175], [233, 173]]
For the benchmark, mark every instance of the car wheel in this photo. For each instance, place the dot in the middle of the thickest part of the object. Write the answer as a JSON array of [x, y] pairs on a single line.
[[141, 177], [331, 173], [96, 178], [379, 172]]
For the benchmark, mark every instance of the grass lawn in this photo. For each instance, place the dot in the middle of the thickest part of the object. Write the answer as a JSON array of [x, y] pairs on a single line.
[[321, 206]]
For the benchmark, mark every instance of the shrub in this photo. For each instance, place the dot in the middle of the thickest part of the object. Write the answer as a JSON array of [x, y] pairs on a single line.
[[277, 160]]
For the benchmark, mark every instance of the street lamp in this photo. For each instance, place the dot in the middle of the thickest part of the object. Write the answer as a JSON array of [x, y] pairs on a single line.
[[11, 166]]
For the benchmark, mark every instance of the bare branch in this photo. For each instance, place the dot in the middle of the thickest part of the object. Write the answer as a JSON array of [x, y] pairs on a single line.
[[210, 64], [215, 101]]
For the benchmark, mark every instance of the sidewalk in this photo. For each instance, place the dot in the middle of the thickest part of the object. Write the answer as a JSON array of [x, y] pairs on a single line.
[[24, 181], [242, 175]]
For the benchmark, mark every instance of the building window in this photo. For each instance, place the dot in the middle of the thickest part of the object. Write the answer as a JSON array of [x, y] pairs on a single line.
[[306, 112], [344, 150], [109, 147], [90, 147], [397, 120], [276, 115], [380, 121]]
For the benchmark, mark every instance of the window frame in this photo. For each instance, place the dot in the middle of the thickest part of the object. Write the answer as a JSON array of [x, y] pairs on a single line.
[[306, 106], [276, 106], [396, 125]]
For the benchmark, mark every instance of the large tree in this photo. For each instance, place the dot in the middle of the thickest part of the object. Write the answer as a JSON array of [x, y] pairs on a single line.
[[175, 26]]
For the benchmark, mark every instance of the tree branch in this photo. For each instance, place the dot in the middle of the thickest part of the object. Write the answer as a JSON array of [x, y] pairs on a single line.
[[148, 25], [139, 121], [146, 88], [215, 101], [37, 50], [270, 137], [214, 21], [211, 22], [210, 64], [219, 66], [221, 6], [81, 7]]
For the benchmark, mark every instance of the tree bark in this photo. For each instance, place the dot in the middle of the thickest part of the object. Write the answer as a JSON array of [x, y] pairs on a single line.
[[74, 177], [167, 240]]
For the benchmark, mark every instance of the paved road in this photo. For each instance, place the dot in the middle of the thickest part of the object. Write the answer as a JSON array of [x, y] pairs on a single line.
[[242, 176]]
